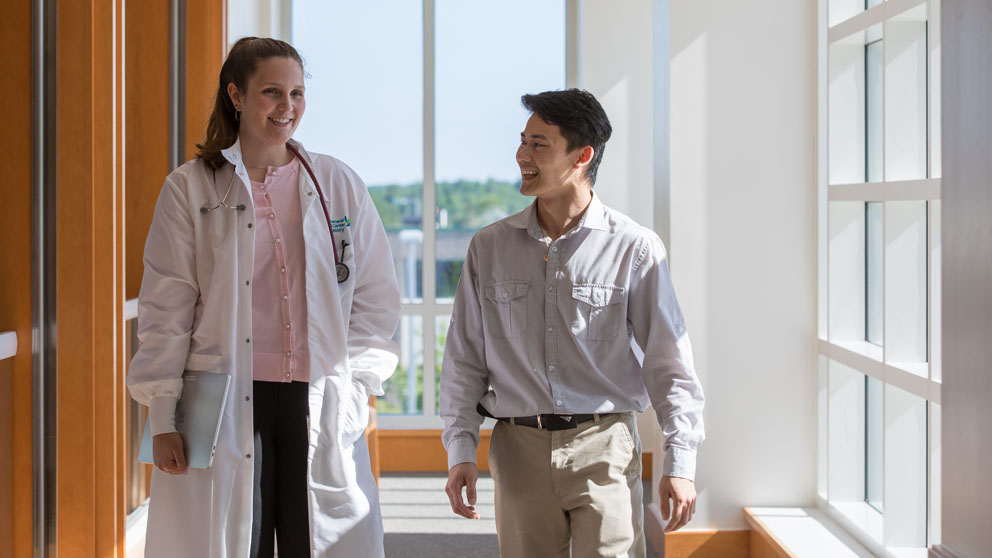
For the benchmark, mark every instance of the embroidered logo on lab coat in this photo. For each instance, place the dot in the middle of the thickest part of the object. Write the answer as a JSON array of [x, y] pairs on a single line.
[[338, 225]]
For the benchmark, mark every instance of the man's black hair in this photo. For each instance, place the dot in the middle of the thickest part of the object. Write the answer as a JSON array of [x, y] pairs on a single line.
[[580, 118]]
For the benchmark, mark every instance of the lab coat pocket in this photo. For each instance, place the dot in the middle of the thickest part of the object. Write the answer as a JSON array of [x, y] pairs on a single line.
[[506, 308], [346, 256], [598, 311], [354, 412]]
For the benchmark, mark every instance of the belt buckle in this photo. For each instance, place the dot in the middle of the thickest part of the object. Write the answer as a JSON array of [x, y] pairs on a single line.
[[539, 426], [568, 422]]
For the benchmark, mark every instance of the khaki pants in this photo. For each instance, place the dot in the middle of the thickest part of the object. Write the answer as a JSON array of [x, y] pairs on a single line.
[[577, 490]]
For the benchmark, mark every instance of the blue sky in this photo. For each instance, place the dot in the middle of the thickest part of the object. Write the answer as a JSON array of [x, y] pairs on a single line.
[[365, 93]]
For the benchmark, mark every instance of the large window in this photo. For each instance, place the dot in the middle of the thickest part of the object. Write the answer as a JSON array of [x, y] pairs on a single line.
[[879, 197], [423, 101]]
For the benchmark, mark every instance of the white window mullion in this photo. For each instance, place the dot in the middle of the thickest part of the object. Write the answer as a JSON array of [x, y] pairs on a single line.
[[428, 221], [573, 26]]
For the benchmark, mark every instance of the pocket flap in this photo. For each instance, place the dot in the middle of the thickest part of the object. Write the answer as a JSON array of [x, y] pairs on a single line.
[[505, 291], [203, 363], [598, 295]]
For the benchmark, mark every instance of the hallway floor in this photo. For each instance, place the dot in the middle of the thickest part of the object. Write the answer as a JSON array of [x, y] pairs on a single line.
[[419, 523]]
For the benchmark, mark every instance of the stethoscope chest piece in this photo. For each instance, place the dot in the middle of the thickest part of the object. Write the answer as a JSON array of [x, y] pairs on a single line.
[[342, 271]]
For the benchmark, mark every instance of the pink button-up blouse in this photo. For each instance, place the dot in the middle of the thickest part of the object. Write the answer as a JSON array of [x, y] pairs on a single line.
[[279, 304]]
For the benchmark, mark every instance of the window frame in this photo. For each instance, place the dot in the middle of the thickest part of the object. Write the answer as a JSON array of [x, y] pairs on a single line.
[[430, 308], [849, 351]]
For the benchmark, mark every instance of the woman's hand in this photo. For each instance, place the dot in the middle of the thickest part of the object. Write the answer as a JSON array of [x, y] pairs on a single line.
[[168, 454]]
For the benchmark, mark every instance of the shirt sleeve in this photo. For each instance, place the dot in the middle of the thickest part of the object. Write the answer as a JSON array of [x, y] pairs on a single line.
[[464, 374], [375, 307], [669, 374], [166, 305]]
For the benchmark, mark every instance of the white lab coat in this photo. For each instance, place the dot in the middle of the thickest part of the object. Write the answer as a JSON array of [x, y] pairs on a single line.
[[194, 312]]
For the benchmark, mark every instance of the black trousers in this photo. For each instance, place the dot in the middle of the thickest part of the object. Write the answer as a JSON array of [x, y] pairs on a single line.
[[279, 502]]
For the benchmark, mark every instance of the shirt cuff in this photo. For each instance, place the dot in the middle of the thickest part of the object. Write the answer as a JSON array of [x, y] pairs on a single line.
[[461, 450], [162, 415], [679, 462]]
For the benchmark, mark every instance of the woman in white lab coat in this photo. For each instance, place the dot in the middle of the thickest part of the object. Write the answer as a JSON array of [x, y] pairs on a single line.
[[196, 313]]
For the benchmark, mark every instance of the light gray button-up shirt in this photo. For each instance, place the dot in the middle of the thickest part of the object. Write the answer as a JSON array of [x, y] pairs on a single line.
[[556, 336]]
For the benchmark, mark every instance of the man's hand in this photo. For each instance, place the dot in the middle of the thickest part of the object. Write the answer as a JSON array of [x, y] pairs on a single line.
[[168, 454], [682, 493], [462, 475]]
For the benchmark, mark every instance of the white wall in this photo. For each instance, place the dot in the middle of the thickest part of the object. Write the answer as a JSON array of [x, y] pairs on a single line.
[[742, 219], [967, 274], [615, 65], [743, 242], [258, 18]]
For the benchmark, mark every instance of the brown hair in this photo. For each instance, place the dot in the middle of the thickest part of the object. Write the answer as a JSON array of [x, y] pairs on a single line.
[[241, 63]]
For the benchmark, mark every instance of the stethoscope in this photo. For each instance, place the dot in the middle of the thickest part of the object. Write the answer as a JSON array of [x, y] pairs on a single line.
[[339, 267]]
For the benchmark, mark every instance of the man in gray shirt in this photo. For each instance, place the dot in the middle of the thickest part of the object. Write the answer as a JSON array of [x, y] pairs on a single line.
[[550, 304]]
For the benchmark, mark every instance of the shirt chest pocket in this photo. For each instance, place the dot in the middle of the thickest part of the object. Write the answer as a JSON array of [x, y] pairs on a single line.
[[599, 311], [505, 309]]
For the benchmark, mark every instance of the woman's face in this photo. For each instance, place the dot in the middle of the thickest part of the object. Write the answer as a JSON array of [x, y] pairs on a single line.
[[272, 103]]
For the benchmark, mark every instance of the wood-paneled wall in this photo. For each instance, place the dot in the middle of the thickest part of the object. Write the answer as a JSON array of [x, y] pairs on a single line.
[[90, 457], [146, 122], [206, 47], [15, 280]]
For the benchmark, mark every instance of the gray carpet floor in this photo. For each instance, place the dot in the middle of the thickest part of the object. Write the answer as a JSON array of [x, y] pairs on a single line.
[[419, 522]]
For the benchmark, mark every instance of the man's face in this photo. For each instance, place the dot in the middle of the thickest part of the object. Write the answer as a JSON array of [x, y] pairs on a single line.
[[547, 167]]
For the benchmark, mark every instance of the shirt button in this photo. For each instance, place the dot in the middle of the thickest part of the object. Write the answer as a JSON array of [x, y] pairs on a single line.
[[309, 193], [551, 368], [247, 398], [272, 215], [554, 249], [551, 329], [247, 456], [249, 225], [278, 241], [261, 186], [558, 402], [288, 353], [247, 340], [287, 374], [284, 297], [287, 326], [550, 288], [282, 270]]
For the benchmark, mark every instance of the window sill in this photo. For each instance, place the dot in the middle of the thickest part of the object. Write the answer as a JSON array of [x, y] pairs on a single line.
[[864, 524], [806, 532], [134, 532]]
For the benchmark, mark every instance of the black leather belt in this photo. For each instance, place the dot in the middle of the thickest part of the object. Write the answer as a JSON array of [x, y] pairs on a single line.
[[545, 421]]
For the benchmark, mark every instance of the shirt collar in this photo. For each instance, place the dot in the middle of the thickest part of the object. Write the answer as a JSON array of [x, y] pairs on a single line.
[[233, 153], [594, 218]]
